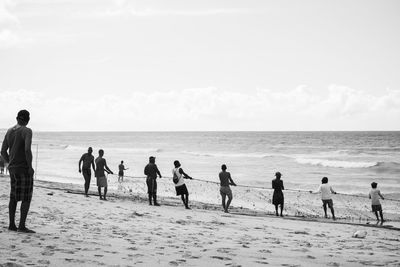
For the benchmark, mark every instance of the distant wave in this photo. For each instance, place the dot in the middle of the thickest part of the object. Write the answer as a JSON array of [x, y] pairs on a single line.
[[336, 163], [119, 149], [231, 155], [391, 167], [377, 166]]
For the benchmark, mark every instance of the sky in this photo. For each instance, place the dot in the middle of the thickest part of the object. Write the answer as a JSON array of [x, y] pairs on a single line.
[[219, 65]]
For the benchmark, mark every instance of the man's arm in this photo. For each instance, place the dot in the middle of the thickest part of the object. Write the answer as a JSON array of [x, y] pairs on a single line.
[[184, 174], [28, 150], [316, 192], [79, 164], [158, 172], [379, 193], [4, 148], [106, 168], [146, 171], [231, 181], [94, 168], [332, 191]]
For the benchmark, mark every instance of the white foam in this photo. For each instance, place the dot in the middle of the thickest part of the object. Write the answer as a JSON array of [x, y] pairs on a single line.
[[336, 163]]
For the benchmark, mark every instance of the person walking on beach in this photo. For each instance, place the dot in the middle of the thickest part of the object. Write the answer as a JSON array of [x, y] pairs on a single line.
[[180, 187], [16, 150], [374, 195], [151, 171], [225, 190], [121, 168], [101, 166], [88, 161], [277, 197], [325, 189]]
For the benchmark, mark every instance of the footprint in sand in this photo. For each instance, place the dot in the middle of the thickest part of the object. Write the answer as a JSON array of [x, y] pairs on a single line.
[[261, 262], [221, 258], [44, 262], [11, 264], [47, 253]]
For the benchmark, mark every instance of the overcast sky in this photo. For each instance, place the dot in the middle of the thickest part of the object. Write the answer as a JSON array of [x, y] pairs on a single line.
[[201, 65]]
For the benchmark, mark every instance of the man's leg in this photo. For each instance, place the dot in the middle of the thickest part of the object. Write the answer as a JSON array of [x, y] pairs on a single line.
[[99, 189], [324, 205], [333, 213], [223, 201], [154, 191], [281, 209], [12, 208], [183, 199], [376, 214], [380, 213], [229, 202], [187, 202], [105, 193], [24, 213], [155, 199], [87, 182]]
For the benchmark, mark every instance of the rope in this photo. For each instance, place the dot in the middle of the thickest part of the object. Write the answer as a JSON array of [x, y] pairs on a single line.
[[259, 187]]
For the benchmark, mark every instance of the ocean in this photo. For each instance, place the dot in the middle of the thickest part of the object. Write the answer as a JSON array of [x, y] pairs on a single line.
[[351, 160]]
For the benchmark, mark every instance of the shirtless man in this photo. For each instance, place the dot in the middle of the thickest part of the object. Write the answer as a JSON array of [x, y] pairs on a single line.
[[101, 166], [16, 150], [88, 160], [121, 168]]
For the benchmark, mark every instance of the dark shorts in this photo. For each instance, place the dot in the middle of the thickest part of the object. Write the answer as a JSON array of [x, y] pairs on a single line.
[[21, 185], [181, 190], [120, 173], [376, 208], [225, 191], [328, 202], [102, 181], [151, 185], [277, 198]]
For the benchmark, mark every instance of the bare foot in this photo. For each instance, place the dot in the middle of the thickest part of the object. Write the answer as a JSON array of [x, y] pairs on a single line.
[[26, 230]]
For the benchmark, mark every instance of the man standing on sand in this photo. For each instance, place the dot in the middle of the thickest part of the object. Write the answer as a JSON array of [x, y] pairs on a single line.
[[180, 186], [325, 189], [151, 171], [121, 169], [16, 150], [225, 190], [101, 166], [88, 160]]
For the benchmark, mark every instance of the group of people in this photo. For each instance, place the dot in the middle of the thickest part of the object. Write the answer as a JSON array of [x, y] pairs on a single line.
[[326, 192], [16, 152], [152, 172]]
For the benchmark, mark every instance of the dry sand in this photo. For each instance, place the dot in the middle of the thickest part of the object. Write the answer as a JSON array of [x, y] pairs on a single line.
[[76, 231]]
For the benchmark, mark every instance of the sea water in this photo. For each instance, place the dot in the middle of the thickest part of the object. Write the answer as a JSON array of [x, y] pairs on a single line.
[[351, 160]]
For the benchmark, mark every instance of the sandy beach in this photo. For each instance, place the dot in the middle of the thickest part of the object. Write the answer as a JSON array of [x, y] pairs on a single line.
[[76, 231]]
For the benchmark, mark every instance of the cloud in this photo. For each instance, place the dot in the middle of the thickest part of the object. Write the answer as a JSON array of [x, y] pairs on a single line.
[[9, 24], [7, 19], [340, 108]]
